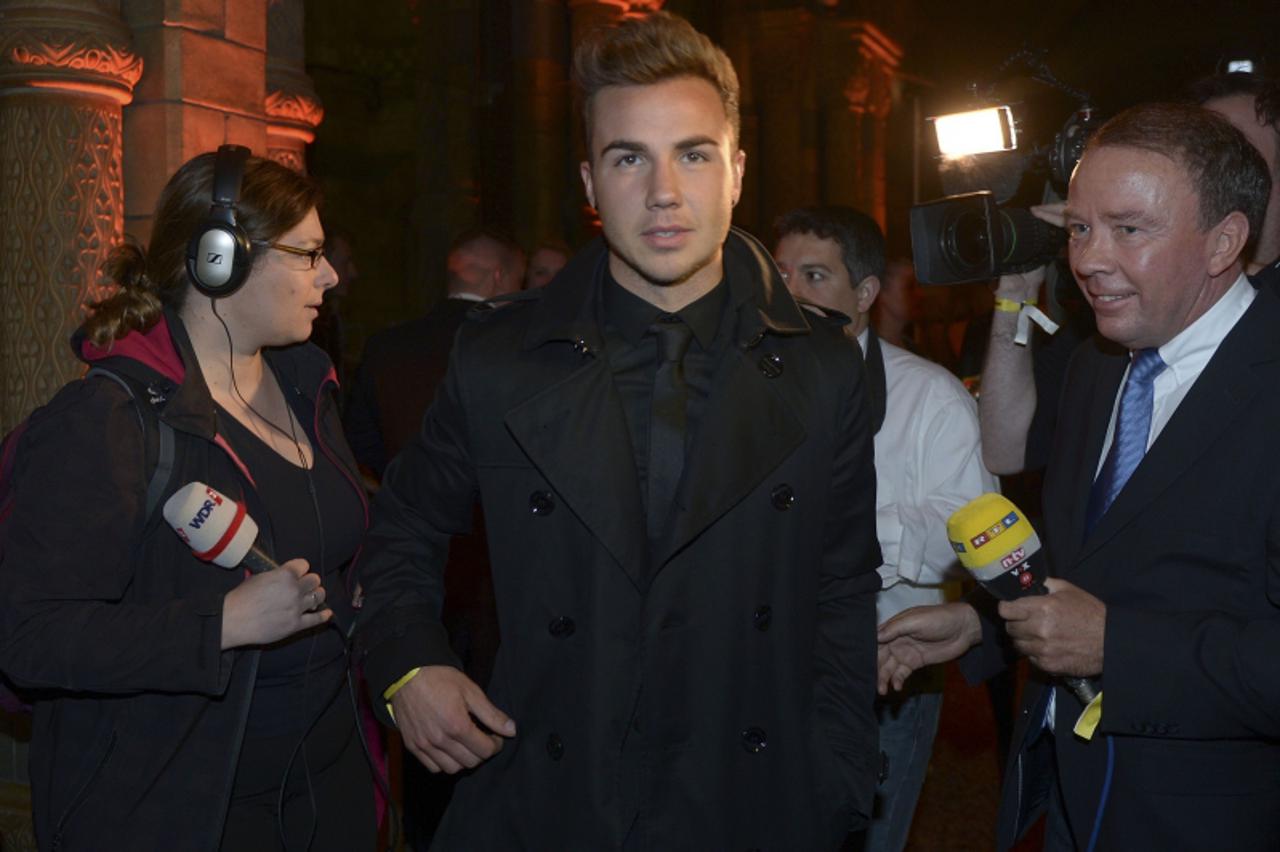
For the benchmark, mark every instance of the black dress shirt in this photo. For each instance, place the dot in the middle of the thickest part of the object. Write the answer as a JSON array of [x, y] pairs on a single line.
[[633, 358]]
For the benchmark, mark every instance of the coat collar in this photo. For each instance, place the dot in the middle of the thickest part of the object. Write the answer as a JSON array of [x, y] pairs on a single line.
[[567, 309]]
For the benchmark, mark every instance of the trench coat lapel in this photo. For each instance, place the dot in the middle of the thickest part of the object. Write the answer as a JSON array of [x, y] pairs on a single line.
[[746, 431], [576, 435], [575, 431], [1225, 389]]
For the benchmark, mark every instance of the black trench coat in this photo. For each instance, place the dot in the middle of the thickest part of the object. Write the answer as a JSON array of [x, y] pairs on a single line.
[[747, 662]]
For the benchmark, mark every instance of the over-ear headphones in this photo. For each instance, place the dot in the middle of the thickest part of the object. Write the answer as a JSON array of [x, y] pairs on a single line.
[[218, 253]]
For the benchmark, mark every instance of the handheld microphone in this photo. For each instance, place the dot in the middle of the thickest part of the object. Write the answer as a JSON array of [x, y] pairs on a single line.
[[996, 543], [216, 528]]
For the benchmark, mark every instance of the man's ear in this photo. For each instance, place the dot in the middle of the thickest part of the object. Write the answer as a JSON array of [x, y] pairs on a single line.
[[584, 169], [867, 290], [739, 168], [1226, 243]]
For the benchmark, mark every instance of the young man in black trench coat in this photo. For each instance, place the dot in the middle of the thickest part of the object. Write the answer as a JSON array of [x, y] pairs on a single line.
[[676, 472]]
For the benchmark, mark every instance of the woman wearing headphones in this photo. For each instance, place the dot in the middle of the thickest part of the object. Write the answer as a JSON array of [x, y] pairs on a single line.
[[178, 704]]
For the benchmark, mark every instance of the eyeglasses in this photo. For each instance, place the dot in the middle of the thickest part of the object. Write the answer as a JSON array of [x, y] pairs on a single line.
[[312, 255]]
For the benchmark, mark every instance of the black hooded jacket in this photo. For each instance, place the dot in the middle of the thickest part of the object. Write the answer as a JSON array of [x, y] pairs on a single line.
[[108, 617]]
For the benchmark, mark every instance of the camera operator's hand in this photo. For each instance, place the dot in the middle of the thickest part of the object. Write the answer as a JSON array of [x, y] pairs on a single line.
[[1054, 214]]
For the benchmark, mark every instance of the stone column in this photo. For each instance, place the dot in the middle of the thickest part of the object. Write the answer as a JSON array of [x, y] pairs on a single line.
[[66, 69], [292, 106], [783, 91], [204, 85], [857, 82], [540, 74]]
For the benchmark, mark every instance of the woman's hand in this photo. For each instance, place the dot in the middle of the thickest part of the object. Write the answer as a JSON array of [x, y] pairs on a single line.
[[272, 605]]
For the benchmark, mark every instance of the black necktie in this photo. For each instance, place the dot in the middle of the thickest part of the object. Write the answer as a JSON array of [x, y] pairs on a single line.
[[667, 420]]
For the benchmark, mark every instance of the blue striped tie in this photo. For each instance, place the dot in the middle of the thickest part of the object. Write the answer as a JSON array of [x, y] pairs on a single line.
[[1129, 441]]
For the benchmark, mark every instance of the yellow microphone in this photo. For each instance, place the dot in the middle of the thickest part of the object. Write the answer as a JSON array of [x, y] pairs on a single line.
[[994, 540]]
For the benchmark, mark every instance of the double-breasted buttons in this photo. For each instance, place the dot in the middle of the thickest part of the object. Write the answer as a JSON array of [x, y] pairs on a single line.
[[770, 364], [783, 497], [762, 617], [555, 747], [542, 503], [755, 740], [561, 627]]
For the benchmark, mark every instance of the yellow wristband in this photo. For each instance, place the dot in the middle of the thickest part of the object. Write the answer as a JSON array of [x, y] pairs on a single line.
[[1009, 306], [395, 687], [391, 690]]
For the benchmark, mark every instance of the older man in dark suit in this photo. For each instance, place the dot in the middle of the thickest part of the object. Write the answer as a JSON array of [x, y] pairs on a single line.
[[1162, 515], [676, 470]]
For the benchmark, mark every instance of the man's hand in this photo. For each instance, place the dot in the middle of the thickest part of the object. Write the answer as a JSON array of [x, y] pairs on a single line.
[[437, 711], [1061, 632], [922, 636]]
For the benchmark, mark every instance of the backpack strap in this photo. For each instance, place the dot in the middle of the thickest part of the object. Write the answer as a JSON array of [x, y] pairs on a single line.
[[163, 470]]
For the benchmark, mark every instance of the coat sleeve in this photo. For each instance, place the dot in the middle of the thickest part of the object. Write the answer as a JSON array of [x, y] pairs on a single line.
[[1197, 674], [427, 496], [360, 421], [845, 646], [71, 551]]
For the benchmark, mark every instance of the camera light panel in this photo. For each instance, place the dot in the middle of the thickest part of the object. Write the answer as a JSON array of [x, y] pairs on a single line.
[[980, 131]]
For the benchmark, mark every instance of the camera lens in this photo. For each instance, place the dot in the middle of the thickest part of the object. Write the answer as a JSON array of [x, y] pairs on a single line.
[[966, 242]]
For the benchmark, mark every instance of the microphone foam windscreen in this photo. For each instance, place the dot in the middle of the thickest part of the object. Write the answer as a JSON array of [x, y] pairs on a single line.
[[990, 535], [211, 523]]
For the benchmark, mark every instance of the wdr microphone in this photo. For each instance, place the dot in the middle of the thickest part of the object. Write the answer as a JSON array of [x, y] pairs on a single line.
[[995, 542], [216, 528]]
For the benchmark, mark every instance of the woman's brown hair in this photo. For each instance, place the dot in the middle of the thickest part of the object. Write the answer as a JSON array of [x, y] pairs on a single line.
[[273, 199]]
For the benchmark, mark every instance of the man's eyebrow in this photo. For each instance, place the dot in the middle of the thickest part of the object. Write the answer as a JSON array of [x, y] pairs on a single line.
[[1129, 216], [694, 142], [626, 145]]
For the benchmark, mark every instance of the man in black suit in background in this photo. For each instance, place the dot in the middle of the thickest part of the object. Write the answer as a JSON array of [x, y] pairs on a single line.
[[403, 365], [1162, 516]]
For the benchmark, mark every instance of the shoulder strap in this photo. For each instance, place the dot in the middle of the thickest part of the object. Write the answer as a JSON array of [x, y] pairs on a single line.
[[160, 474]]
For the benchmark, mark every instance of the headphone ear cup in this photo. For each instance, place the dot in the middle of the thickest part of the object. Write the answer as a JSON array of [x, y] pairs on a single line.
[[218, 259]]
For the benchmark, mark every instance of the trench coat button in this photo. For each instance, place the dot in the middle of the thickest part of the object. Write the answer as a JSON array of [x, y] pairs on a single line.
[[754, 740], [561, 627], [762, 617], [542, 503], [770, 364], [783, 497], [555, 748]]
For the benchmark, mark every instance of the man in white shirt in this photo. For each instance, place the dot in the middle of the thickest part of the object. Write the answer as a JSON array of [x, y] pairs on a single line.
[[928, 464], [1162, 516]]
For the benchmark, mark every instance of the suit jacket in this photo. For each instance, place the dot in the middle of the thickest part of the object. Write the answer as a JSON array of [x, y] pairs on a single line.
[[745, 663], [1187, 561], [398, 376]]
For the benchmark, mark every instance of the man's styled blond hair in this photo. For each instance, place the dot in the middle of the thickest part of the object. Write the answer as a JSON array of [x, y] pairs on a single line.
[[643, 51]]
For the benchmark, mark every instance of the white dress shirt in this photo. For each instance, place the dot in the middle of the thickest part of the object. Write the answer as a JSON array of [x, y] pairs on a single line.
[[1185, 357], [928, 464]]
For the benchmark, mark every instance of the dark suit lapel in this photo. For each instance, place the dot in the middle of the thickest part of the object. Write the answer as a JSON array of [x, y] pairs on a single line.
[[1220, 394], [746, 430], [1104, 386]]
